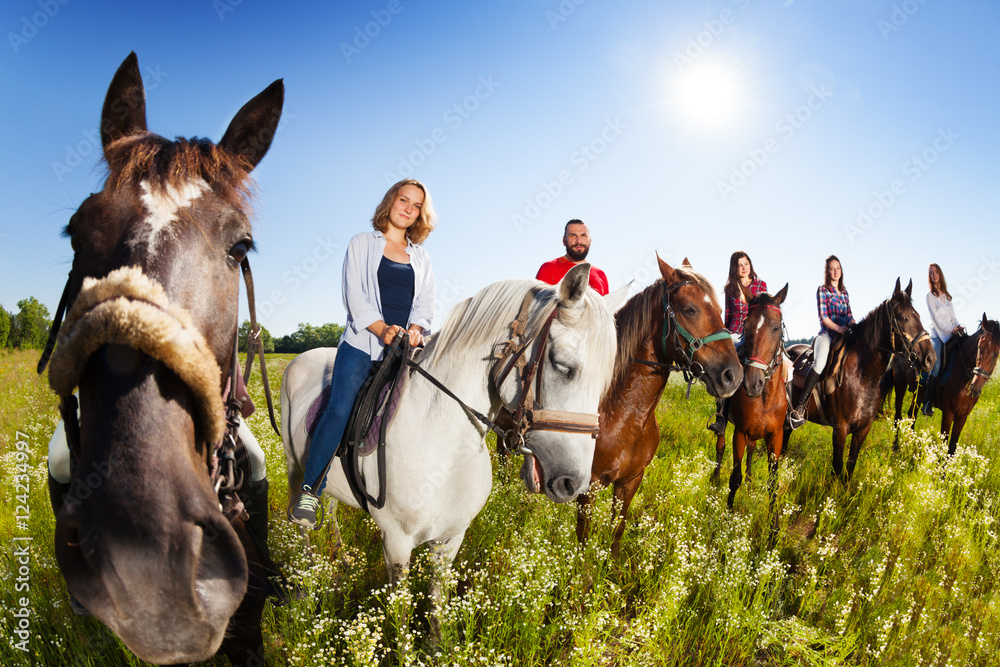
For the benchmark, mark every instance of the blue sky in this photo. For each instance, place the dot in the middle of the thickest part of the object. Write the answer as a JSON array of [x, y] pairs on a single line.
[[689, 128]]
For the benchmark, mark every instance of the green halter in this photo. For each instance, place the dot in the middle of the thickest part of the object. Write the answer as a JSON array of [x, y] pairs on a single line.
[[693, 344]]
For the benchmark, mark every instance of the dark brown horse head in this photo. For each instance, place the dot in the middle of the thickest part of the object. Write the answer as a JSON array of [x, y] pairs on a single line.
[[987, 350], [696, 309], [762, 339], [148, 342], [908, 336]]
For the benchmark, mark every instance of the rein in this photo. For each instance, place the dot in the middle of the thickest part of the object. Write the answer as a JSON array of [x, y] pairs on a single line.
[[691, 369], [527, 414]]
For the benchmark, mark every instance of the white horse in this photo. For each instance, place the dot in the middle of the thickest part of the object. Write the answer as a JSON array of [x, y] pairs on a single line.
[[438, 473]]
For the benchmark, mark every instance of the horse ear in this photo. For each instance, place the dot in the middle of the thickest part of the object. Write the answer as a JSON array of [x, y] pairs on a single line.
[[574, 285], [124, 112], [252, 129], [686, 263], [615, 300], [909, 288], [897, 290], [985, 321], [666, 271], [779, 298]]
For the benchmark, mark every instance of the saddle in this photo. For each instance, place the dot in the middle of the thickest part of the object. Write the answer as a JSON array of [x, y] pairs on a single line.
[[833, 375], [374, 407]]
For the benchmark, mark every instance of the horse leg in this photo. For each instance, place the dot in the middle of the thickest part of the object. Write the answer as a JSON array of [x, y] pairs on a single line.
[[839, 440], [736, 477], [898, 398], [774, 441], [956, 431], [947, 421], [396, 549], [720, 451], [583, 517], [624, 492], [443, 554], [857, 440]]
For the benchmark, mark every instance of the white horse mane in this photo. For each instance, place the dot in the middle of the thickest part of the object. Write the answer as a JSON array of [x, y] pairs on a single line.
[[484, 320]]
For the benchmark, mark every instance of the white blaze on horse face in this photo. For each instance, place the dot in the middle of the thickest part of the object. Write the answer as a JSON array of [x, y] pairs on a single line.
[[162, 207], [760, 325]]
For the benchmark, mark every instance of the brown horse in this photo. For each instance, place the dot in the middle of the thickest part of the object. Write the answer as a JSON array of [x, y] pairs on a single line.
[[758, 408], [892, 327], [973, 360], [149, 342], [674, 324]]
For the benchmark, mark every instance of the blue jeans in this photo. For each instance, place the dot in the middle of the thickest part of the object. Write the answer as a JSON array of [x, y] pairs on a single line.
[[350, 371]]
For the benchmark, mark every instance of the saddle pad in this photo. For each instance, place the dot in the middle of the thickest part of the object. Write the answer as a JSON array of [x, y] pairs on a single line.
[[371, 437]]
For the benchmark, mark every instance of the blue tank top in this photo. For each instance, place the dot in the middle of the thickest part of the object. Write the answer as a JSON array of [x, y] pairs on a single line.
[[395, 285]]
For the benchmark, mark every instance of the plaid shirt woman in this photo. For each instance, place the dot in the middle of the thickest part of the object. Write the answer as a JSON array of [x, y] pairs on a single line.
[[833, 305], [736, 307]]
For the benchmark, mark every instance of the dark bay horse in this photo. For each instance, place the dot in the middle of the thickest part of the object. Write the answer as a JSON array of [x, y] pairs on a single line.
[[149, 341], [892, 327], [674, 324], [757, 410], [973, 362]]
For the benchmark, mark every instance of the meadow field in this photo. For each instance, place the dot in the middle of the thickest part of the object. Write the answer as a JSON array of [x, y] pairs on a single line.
[[896, 567]]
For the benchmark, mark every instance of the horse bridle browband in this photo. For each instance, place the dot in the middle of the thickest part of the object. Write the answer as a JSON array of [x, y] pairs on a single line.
[[775, 362]]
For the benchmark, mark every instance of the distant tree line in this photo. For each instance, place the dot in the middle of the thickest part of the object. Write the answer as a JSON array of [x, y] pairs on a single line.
[[305, 338], [28, 328]]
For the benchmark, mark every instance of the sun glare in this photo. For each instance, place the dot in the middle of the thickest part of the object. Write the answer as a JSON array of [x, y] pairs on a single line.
[[707, 95]]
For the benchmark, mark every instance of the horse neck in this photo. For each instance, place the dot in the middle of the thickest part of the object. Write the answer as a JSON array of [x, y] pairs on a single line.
[[872, 358], [636, 384], [465, 373]]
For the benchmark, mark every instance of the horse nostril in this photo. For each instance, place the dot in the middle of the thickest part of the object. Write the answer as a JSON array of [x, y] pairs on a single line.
[[728, 376]]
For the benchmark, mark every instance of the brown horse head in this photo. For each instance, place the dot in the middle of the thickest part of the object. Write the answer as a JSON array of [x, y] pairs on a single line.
[[907, 335], [762, 339], [689, 301], [987, 349], [148, 343]]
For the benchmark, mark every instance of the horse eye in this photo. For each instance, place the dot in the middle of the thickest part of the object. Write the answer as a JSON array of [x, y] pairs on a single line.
[[239, 251], [689, 311], [563, 369]]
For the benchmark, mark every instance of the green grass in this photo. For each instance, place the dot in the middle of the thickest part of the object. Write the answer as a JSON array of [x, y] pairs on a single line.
[[896, 567]]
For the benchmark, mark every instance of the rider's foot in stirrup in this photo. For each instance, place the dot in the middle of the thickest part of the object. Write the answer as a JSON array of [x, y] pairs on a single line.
[[797, 417], [928, 409], [303, 512]]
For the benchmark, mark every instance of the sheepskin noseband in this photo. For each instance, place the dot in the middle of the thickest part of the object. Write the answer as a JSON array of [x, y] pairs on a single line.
[[130, 308]]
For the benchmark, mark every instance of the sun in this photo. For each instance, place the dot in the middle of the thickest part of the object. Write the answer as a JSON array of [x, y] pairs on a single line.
[[707, 94]]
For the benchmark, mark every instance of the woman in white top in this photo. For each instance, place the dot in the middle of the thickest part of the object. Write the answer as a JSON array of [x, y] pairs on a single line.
[[388, 288], [944, 324]]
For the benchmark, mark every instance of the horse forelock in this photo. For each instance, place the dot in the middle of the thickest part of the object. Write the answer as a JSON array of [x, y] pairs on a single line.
[[702, 282], [167, 166]]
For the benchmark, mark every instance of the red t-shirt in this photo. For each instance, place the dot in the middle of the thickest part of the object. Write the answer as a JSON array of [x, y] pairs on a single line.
[[552, 272]]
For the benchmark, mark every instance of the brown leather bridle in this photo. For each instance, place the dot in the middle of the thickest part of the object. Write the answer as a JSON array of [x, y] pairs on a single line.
[[528, 414]]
